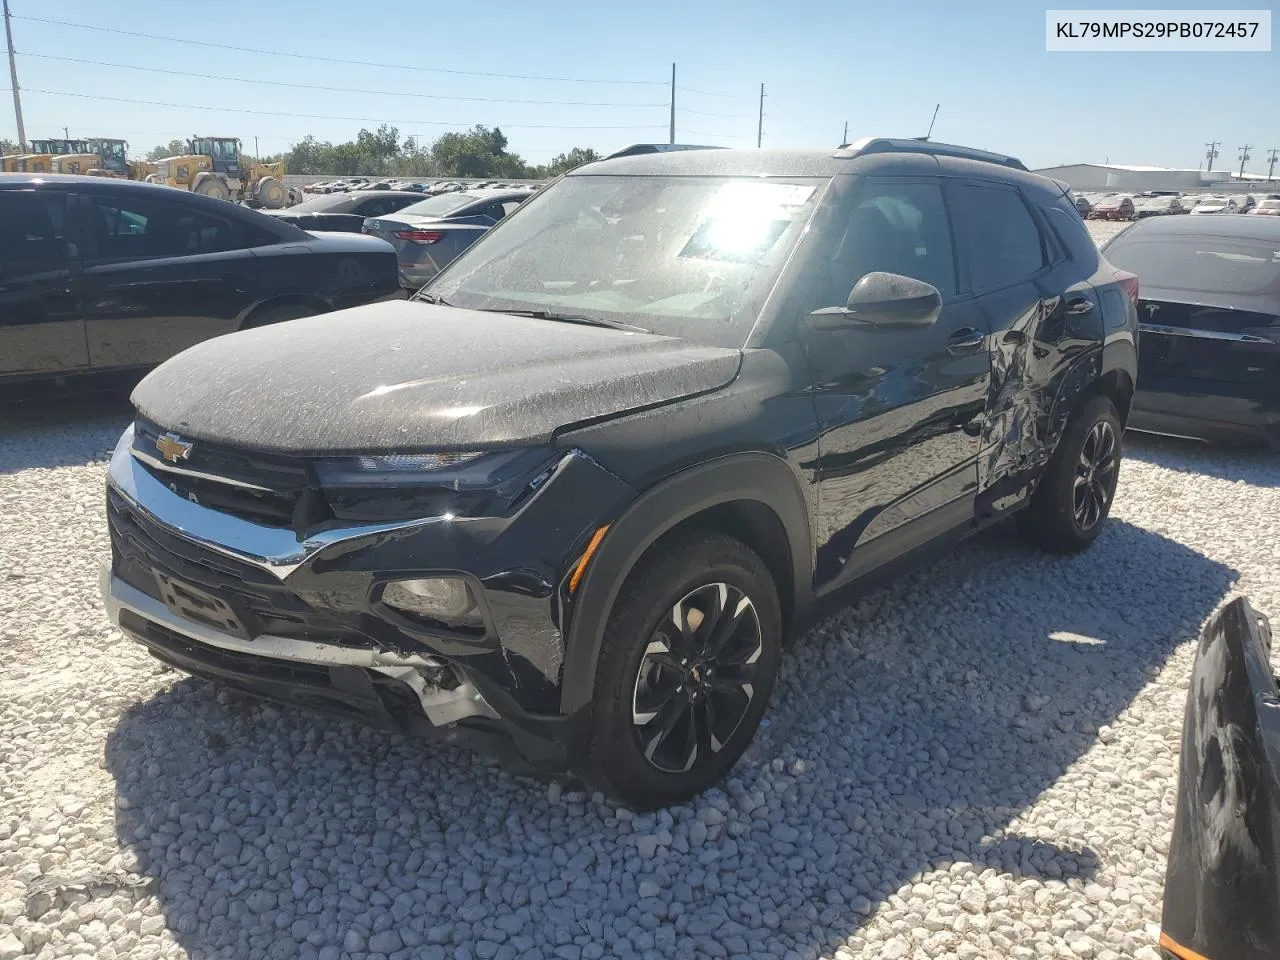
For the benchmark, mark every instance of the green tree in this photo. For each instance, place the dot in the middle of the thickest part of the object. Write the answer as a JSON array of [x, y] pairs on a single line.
[[480, 152], [174, 148], [567, 161], [7, 147]]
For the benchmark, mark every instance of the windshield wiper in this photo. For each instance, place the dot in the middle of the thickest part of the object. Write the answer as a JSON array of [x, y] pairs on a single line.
[[571, 318], [430, 298]]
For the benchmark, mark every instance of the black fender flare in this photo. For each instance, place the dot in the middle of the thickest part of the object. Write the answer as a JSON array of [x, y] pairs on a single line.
[[760, 477]]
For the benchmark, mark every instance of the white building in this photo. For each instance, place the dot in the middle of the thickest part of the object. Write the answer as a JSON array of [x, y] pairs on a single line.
[[1130, 177]]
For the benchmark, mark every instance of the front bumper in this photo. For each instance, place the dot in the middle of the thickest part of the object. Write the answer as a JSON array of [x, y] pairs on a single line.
[[297, 619]]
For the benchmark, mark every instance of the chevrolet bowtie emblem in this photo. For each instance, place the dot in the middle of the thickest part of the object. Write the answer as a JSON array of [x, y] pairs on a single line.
[[173, 448]]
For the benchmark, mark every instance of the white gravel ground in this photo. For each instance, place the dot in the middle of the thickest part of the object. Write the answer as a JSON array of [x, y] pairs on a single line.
[[976, 762]]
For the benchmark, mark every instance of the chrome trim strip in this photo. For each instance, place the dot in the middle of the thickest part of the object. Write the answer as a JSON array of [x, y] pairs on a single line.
[[198, 474], [441, 706], [1202, 334], [276, 550]]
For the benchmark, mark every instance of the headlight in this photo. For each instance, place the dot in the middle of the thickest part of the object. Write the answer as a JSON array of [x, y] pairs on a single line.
[[461, 470], [444, 599]]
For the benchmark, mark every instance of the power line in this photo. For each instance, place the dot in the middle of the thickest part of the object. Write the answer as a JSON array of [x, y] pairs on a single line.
[[313, 86], [704, 133], [722, 116], [704, 93], [339, 60], [325, 116]]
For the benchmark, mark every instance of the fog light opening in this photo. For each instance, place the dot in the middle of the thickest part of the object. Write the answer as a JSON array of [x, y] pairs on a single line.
[[443, 676], [446, 600]]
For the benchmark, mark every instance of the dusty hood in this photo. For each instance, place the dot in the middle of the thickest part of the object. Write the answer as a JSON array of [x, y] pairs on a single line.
[[403, 375]]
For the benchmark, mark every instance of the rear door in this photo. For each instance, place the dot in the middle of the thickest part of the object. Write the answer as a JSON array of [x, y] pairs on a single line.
[[41, 324], [160, 275], [1042, 312]]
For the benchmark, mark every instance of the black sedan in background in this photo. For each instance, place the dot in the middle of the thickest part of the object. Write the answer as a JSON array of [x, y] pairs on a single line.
[[431, 233], [1209, 366], [346, 212], [104, 275]]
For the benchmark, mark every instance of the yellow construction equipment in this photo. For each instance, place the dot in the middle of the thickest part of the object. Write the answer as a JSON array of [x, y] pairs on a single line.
[[105, 157], [212, 167], [40, 159]]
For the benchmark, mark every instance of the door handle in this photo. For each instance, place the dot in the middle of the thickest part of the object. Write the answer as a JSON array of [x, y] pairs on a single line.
[[1079, 306], [965, 339]]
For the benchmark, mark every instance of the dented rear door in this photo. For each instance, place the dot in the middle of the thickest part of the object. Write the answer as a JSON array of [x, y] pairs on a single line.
[[1044, 317]]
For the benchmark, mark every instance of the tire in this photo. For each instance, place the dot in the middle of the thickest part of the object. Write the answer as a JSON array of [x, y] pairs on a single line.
[[1070, 505], [271, 193], [211, 186], [640, 660], [277, 314]]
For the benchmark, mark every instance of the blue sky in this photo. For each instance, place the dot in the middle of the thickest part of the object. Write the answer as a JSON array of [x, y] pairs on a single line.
[[881, 67]]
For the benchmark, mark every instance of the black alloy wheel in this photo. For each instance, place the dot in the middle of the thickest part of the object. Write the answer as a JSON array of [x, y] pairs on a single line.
[[697, 677], [1094, 482]]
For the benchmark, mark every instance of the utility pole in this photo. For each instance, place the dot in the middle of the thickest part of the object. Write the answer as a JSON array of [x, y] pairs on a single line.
[[760, 121], [13, 80], [673, 104], [1211, 154], [66, 133], [256, 154], [1244, 156], [1271, 161], [845, 139]]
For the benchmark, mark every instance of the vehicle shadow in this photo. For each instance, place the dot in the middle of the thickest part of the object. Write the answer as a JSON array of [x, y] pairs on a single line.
[[61, 430], [908, 733]]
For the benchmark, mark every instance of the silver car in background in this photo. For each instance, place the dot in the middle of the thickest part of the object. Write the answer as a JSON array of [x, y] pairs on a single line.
[[429, 234]]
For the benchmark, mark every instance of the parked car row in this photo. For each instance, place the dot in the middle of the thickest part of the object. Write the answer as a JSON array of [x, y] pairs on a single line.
[[1119, 206]]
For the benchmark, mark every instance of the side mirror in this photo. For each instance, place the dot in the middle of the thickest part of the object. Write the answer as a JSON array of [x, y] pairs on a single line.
[[887, 300]]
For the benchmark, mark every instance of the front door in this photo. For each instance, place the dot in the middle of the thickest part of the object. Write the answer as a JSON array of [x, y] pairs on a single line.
[[900, 410], [41, 326]]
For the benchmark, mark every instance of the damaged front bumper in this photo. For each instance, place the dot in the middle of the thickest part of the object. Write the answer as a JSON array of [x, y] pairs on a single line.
[[299, 620], [1222, 889]]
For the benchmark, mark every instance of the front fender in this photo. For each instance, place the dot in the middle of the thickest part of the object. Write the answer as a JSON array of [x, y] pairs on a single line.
[[759, 477]]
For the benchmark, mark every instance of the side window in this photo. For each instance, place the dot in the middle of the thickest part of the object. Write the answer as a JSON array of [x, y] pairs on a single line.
[[216, 234], [144, 229], [128, 229], [509, 206], [894, 227], [33, 229], [999, 236]]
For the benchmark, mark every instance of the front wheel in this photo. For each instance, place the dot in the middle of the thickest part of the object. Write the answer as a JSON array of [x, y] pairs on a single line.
[[688, 661], [1074, 497]]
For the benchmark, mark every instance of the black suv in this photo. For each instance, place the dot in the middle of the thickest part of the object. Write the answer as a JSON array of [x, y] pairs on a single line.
[[572, 499]]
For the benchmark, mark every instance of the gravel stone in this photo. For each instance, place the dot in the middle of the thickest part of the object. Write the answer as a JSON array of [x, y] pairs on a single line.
[[975, 761]]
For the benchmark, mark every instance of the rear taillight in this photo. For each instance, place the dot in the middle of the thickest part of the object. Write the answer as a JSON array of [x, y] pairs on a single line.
[[419, 236], [1129, 283]]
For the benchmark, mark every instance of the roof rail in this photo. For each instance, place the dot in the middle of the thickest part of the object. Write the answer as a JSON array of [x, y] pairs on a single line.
[[887, 145], [638, 148]]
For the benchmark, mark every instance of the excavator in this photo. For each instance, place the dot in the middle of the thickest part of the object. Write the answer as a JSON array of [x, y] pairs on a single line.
[[212, 167], [105, 157]]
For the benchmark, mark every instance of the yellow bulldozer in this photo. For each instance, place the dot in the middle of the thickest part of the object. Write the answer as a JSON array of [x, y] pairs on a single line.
[[43, 152], [105, 157], [212, 167]]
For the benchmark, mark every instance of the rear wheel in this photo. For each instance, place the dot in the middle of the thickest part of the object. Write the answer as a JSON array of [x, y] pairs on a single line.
[[686, 668], [1071, 504]]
